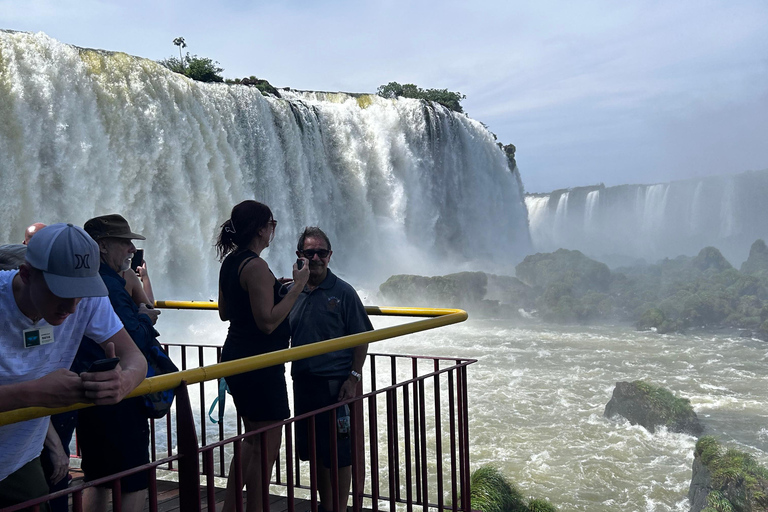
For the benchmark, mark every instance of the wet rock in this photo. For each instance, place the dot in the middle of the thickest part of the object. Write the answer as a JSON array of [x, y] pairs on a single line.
[[651, 407]]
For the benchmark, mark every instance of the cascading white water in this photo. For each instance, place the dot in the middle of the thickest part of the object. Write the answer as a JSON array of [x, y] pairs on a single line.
[[399, 185], [592, 198], [655, 221]]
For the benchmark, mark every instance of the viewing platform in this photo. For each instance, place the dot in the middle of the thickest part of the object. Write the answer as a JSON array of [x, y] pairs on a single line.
[[409, 426]]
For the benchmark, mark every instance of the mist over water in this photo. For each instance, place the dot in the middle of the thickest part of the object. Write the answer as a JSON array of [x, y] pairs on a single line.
[[657, 221], [393, 182]]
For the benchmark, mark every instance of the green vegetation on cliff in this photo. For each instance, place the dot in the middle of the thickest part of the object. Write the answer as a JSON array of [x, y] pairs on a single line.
[[197, 68], [448, 99], [736, 481]]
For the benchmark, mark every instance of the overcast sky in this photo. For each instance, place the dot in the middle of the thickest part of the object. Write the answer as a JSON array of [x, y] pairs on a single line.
[[612, 91]]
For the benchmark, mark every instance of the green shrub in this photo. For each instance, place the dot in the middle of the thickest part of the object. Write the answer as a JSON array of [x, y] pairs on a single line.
[[448, 99], [491, 492], [739, 483], [197, 68]]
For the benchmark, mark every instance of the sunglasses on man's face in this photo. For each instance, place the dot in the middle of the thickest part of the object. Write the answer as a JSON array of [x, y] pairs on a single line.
[[321, 253]]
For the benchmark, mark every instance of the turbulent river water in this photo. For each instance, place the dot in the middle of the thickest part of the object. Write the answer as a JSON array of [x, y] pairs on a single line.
[[537, 395]]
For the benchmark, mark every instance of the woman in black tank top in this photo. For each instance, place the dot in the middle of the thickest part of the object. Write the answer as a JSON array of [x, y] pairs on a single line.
[[250, 299]]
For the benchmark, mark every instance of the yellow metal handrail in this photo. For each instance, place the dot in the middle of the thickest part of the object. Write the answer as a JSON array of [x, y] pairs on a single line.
[[438, 317]]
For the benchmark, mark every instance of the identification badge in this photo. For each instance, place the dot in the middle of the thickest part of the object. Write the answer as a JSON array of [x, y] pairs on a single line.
[[37, 337]]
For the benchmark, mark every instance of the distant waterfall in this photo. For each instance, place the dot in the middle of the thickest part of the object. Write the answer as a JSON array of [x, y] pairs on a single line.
[[654, 221], [399, 185]]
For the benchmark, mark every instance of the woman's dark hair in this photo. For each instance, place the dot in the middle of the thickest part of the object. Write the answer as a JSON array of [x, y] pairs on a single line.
[[243, 225]]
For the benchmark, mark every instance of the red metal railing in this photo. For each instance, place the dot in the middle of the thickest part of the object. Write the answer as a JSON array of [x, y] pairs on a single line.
[[410, 449]]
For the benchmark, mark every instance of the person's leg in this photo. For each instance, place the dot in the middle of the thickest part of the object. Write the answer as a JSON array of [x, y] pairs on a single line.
[[134, 501], [251, 463], [96, 499], [345, 484], [324, 487]]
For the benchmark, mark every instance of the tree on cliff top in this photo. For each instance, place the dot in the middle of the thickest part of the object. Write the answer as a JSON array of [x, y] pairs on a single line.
[[197, 68], [448, 99]]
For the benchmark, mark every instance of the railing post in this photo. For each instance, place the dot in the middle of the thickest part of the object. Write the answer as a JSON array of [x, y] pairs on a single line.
[[189, 465]]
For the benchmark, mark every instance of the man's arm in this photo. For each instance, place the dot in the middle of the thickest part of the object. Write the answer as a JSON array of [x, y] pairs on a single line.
[[59, 458], [57, 389], [103, 388], [357, 321]]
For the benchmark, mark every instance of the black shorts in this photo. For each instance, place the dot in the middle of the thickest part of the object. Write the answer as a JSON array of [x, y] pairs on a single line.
[[113, 438], [311, 393], [261, 395]]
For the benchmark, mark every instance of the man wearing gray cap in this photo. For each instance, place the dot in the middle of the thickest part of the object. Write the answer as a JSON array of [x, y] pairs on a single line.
[[46, 306]]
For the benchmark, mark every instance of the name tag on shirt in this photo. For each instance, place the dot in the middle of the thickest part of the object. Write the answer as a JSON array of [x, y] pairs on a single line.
[[36, 337]]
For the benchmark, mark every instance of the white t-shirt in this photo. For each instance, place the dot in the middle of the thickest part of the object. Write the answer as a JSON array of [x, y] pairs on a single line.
[[94, 317]]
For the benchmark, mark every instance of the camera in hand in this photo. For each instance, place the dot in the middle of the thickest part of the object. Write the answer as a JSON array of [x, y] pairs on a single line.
[[138, 259], [299, 263]]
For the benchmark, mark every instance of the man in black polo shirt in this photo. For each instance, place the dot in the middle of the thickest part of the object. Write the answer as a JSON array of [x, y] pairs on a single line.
[[327, 308]]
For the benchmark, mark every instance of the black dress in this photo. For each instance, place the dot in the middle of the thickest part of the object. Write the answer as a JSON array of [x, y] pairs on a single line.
[[259, 395]]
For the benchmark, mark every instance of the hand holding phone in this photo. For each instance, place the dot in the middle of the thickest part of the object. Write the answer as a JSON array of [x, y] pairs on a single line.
[[138, 259], [103, 365], [299, 263]]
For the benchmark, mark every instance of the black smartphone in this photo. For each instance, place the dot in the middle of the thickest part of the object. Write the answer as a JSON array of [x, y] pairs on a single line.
[[299, 263], [138, 259], [103, 365]]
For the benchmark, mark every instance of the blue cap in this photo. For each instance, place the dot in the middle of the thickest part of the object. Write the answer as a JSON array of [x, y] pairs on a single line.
[[69, 259]]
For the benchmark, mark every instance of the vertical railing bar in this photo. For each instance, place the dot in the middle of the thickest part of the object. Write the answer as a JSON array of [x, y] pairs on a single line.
[[152, 439], [416, 433], [152, 490], [288, 465], [373, 435], [423, 425], [77, 501], [203, 409], [465, 412], [333, 442], [237, 456], [117, 496], [438, 438], [312, 461], [189, 462], [391, 425], [222, 456], [396, 448], [407, 441], [452, 422], [356, 429], [460, 434], [373, 372], [265, 474], [210, 485]]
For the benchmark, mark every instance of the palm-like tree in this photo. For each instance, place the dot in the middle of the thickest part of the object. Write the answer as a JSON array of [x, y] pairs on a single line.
[[179, 41]]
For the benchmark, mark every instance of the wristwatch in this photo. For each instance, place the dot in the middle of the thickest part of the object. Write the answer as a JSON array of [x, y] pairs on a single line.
[[356, 375]]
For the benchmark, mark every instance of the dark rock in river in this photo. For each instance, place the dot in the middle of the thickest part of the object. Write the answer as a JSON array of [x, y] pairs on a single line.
[[651, 407], [485, 294]]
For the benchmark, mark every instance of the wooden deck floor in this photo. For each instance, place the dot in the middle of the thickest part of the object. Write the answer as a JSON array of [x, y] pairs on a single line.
[[168, 498]]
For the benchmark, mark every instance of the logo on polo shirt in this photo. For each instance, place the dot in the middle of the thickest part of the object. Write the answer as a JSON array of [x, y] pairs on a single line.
[[332, 303]]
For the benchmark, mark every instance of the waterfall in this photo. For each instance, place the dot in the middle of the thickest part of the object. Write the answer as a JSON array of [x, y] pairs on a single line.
[[399, 185], [592, 198], [656, 221]]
